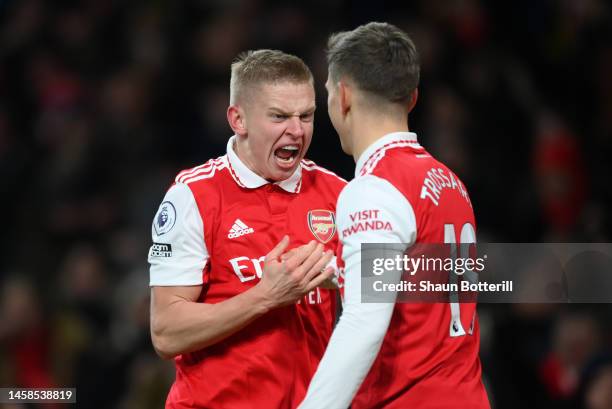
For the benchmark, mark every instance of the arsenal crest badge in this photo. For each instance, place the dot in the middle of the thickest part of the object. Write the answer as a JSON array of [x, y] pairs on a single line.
[[322, 224]]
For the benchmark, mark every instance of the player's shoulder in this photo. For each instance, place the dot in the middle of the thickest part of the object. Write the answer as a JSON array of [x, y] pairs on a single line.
[[405, 162], [206, 171], [404, 166], [320, 174], [369, 188]]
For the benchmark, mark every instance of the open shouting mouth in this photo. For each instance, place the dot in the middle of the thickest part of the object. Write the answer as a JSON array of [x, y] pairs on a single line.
[[287, 155]]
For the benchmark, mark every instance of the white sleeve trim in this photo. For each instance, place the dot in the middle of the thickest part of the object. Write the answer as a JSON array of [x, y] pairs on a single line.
[[178, 254], [358, 336]]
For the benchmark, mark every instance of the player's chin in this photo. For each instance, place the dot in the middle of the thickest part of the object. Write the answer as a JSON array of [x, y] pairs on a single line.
[[279, 175]]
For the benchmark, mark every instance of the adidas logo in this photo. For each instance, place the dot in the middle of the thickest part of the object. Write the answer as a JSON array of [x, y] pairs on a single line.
[[239, 229]]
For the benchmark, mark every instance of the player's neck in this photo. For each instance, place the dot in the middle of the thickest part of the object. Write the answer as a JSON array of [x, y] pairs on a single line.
[[367, 130]]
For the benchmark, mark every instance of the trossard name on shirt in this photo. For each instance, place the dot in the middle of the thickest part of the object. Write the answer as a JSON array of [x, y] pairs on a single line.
[[437, 180]]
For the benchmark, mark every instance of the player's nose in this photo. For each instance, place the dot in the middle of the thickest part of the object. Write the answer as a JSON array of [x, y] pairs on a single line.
[[295, 126]]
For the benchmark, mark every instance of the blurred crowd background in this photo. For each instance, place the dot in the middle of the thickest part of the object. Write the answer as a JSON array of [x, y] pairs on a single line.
[[102, 102]]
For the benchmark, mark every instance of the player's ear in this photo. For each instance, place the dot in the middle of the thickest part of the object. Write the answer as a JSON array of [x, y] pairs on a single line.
[[413, 99], [237, 120], [345, 94]]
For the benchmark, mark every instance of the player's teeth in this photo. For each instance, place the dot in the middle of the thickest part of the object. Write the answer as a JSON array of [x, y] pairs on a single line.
[[285, 160]]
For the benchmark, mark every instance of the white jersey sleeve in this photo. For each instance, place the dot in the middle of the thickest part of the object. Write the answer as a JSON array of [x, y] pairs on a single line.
[[178, 254], [369, 210]]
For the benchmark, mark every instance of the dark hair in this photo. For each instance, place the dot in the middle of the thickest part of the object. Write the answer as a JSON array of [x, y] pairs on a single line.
[[378, 57], [253, 68]]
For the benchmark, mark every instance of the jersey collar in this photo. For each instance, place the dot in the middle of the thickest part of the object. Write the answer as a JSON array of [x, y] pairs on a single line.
[[245, 177], [391, 140]]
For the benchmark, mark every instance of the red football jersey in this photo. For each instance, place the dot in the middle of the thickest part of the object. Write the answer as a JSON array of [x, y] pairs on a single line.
[[214, 228], [429, 356]]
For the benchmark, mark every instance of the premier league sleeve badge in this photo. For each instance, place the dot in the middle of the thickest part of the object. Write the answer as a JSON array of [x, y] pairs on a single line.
[[165, 218]]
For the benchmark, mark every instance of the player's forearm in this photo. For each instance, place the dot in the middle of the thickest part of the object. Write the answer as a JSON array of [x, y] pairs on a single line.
[[187, 326], [356, 339], [349, 355]]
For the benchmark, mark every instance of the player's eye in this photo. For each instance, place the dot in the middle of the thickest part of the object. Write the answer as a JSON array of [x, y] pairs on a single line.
[[308, 117], [279, 117]]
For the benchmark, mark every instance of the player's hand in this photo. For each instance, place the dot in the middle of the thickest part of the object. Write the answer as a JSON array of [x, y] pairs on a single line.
[[329, 284], [289, 276]]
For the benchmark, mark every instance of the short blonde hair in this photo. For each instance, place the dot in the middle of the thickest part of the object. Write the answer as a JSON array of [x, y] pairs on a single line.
[[253, 68]]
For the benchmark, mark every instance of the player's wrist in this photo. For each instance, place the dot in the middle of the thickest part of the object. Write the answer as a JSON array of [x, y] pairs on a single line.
[[262, 300]]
